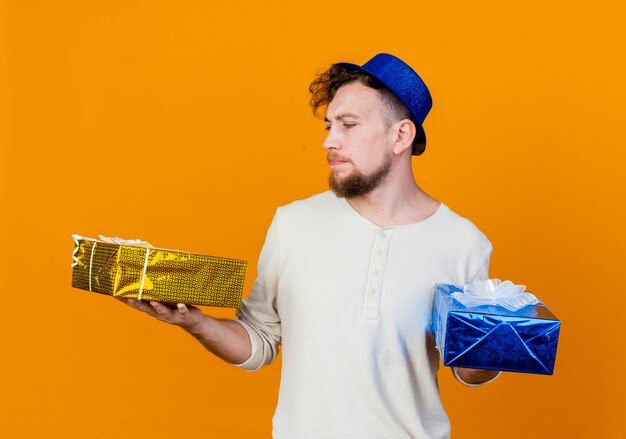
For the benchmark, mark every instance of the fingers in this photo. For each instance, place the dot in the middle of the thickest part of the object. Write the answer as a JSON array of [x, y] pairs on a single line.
[[137, 304], [160, 309], [179, 314], [155, 309]]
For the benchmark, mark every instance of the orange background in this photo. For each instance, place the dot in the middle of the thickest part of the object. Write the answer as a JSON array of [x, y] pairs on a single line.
[[186, 124]]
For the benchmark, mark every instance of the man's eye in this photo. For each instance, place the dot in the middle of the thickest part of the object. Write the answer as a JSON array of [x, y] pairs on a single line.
[[348, 125]]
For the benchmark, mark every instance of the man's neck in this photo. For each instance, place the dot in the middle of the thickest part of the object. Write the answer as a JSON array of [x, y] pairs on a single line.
[[393, 204]]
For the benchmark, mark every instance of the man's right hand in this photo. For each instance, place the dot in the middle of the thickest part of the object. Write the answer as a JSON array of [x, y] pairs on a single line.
[[225, 338], [187, 317]]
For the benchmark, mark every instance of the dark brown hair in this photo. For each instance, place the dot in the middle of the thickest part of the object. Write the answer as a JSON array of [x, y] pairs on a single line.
[[325, 86]]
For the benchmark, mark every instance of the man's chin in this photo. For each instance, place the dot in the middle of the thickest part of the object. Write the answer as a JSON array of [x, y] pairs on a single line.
[[355, 184], [340, 186]]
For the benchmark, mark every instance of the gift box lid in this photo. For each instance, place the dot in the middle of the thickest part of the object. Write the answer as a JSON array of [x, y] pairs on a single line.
[[539, 311]]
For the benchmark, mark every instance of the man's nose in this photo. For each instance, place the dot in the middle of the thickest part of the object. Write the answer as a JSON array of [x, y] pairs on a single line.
[[331, 141]]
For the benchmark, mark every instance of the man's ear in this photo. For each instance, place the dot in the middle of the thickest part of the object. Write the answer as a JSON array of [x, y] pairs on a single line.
[[405, 134]]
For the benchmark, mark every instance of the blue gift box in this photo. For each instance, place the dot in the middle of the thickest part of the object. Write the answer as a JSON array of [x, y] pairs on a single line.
[[492, 337]]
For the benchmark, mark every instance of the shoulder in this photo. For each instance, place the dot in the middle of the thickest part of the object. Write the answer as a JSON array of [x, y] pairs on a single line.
[[317, 206], [310, 216], [462, 231]]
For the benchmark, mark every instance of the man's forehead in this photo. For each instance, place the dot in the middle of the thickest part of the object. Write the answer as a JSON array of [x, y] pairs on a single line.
[[353, 100]]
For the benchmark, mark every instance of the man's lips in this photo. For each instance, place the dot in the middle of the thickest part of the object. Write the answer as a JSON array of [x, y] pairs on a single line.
[[336, 161]]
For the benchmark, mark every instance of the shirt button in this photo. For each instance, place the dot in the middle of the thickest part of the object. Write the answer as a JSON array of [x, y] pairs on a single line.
[[376, 272], [380, 252], [373, 292]]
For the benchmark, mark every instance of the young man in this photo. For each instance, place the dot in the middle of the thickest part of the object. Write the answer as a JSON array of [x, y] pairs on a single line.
[[345, 277]]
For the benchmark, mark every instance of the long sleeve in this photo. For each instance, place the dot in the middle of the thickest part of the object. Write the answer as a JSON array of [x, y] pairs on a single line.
[[258, 314]]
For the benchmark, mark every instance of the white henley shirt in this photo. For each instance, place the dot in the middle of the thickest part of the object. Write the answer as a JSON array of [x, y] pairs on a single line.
[[350, 302]]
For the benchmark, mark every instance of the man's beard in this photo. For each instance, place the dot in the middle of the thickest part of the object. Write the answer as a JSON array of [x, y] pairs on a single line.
[[357, 183]]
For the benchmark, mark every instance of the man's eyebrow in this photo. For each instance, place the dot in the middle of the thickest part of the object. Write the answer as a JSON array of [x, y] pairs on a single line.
[[343, 116]]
